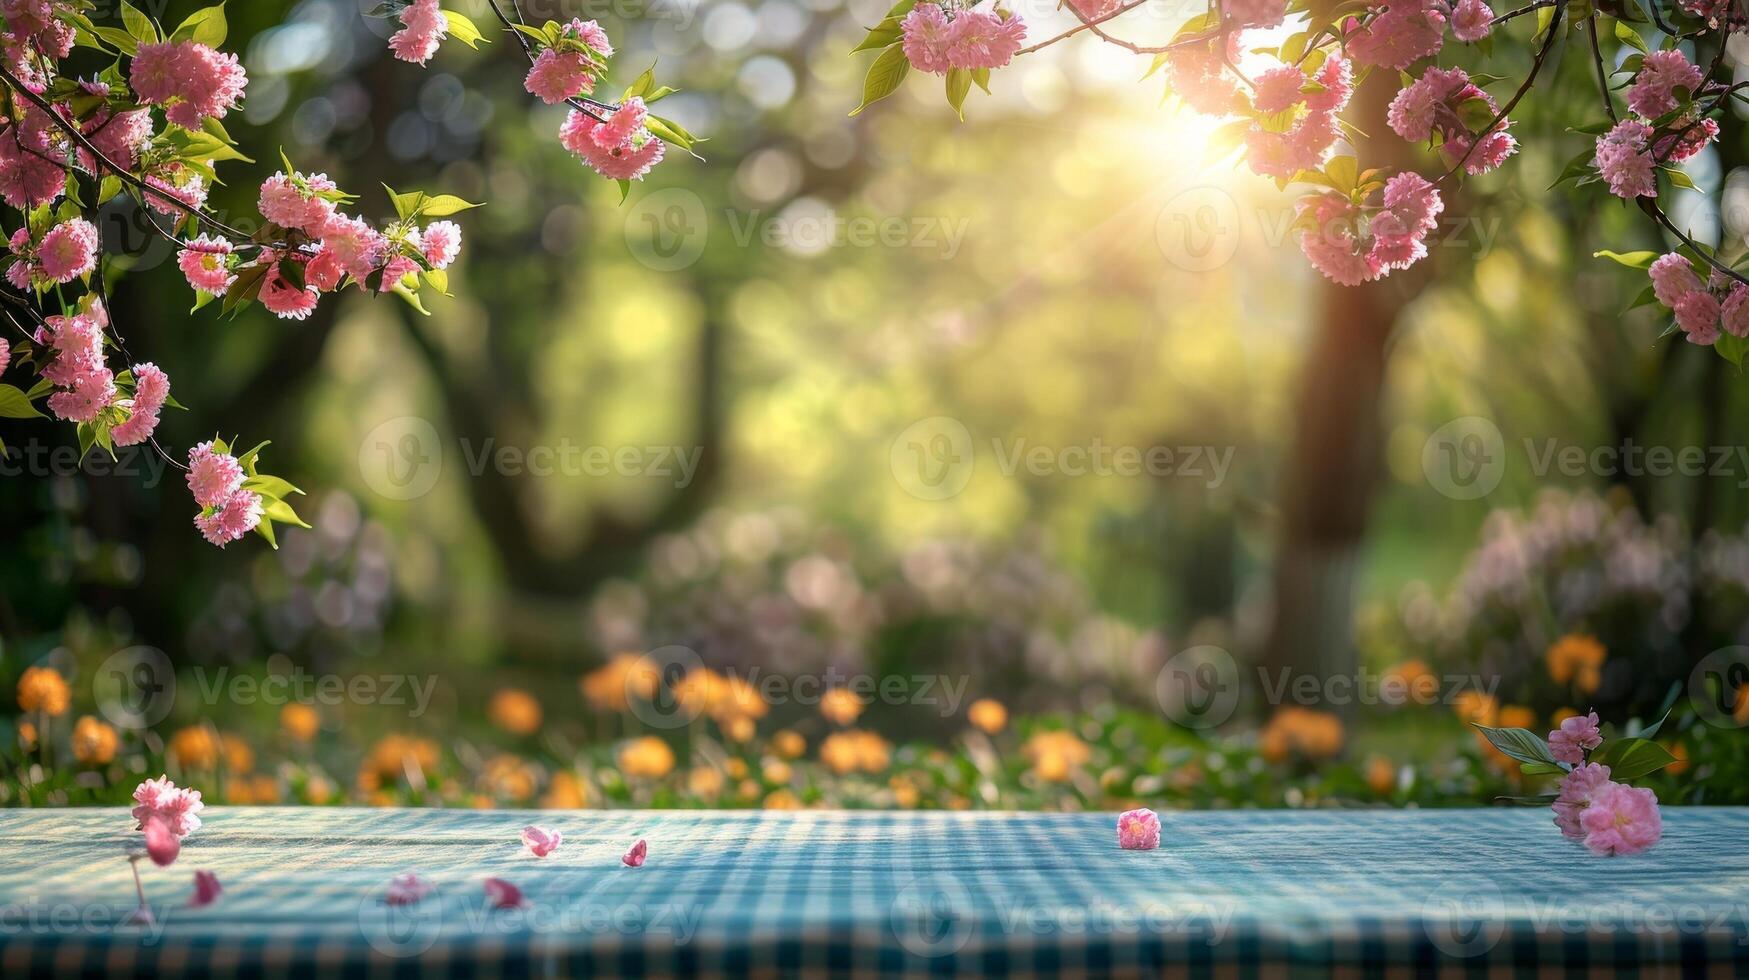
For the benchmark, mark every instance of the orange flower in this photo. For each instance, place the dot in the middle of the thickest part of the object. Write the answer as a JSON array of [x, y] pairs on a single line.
[[1412, 681], [93, 742], [739, 729], [194, 747], [26, 736], [508, 777], [300, 721], [611, 686], [318, 791], [788, 744], [782, 799], [565, 792], [849, 751], [1055, 754], [1381, 775], [1576, 659], [646, 758], [394, 757], [777, 772], [840, 707], [239, 757], [1298, 731], [514, 711], [1475, 708], [1517, 716], [704, 782], [1680, 751], [905, 794], [1741, 714], [43, 689], [987, 715]]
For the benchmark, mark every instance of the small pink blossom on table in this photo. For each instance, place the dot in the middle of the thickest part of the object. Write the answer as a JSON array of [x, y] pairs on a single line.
[[1576, 735], [541, 841], [501, 894], [1138, 830], [161, 798], [1577, 788], [206, 889], [407, 889], [162, 844], [1621, 820], [634, 858]]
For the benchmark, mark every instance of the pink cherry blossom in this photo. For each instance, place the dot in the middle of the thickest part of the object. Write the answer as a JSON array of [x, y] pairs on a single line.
[[1399, 34], [78, 366], [1621, 820], [118, 136], [284, 300], [1576, 735], [1138, 830], [1687, 141], [190, 188], [212, 476], [162, 844], [1733, 313], [1471, 20], [1196, 74], [501, 894], [69, 251], [1672, 278], [193, 81], [5, 355], [1698, 315], [441, 243], [406, 889], [1577, 788], [1254, 13], [238, 515], [1661, 73], [151, 390], [1278, 89], [557, 76], [206, 889], [629, 159], [206, 264], [423, 28], [926, 36], [1434, 105], [160, 799], [984, 39], [634, 858], [296, 201], [355, 247], [541, 841], [1625, 160]]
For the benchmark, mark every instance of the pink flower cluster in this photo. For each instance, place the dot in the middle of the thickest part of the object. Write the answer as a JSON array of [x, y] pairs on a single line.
[[77, 367], [1433, 105], [1279, 149], [1254, 13], [29, 149], [620, 147], [1624, 158], [1607, 817], [557, 76], [1138, 830], [423, 28], [1576, 736], [1354, 243], [227, 510], [1199, 76], [1398, 34], [1661, 74], [151, 391], [67, 252], [167, 814], [1702, 309], [1628, 155], [193, 81], [970, 38]]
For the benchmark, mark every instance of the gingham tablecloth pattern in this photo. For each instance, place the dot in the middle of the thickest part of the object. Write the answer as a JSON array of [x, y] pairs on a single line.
[[1464, 893]]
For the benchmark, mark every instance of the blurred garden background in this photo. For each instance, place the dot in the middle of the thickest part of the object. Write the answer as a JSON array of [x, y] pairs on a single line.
[[886, 461]]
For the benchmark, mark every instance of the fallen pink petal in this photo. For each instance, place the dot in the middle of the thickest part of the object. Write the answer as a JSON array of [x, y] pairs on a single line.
[[1138, 830], [162, 844], [206, 889], [634, 858], [540, 841], [501, 894], [406, 889]]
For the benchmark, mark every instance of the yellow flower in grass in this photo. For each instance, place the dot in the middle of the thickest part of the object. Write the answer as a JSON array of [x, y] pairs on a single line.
[[514, 711], [1476, 708], [43, 689], [987, 716], [1381, 775], [508, 777], [1055, 755], [777, 772], [194, 747], [646, 758], [853, 751], [740, 729], [1412, 682], [704, 782], [27, 736], [565, 792], [1517, 716], [840, 706], [257, 790], [905, 793], [1576, 659], [782, 799], [318, 791], [788, 744], [239, 757], [94, 742], [612, 686], [299, 721], [395, 758]]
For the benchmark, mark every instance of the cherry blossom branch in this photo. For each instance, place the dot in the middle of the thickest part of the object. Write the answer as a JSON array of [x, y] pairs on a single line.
[[1536, 67], [1083, 26], [1521, 11], [1656, 213], [586, 107], [1602, 74]]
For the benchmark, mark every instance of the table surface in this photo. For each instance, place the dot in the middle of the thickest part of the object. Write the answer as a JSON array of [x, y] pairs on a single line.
[[1244, 893]]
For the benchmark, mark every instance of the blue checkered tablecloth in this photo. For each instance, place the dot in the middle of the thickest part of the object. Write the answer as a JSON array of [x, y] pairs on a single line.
[[1476, 893]]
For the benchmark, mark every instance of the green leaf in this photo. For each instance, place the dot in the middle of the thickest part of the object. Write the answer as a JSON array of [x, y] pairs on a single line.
[[463, 29], [883, 77], [282, 512], [138, 24], [1631, 758], [534, 32], [205, 26], [118, 39], [1680, 178], [270, 486], [444, 205], [1343, 172], [642, 86], [1633, 260], [14, 404], [1627, 35], [959, 85], [1732, 348], [265, 529], [1521, 745]]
